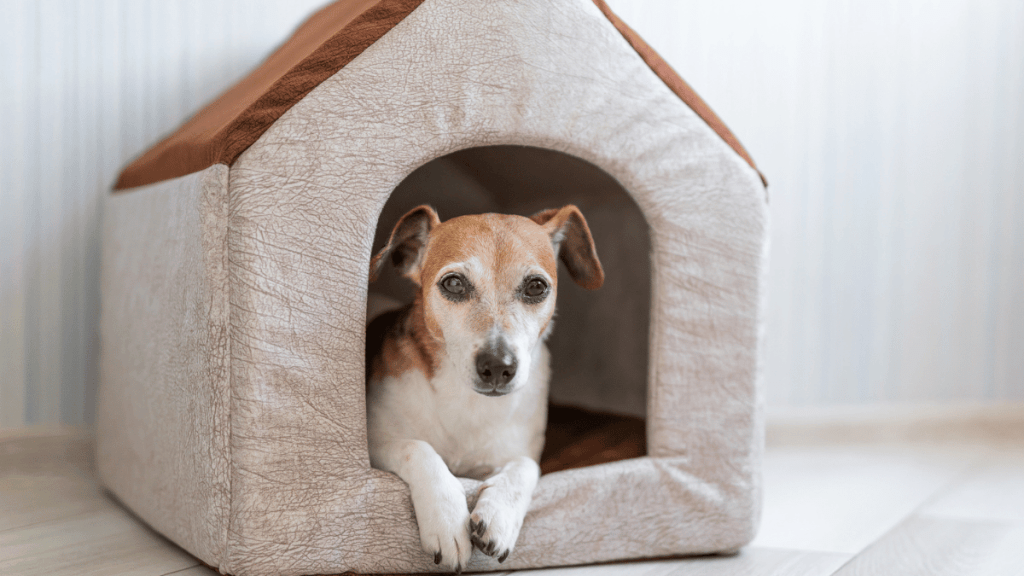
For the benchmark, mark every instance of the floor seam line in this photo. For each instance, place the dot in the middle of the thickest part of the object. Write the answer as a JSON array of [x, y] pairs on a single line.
[[181, 569]]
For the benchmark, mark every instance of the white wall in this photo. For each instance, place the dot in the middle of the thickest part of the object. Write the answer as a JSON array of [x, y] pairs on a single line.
[[892, 134], [86, 86]]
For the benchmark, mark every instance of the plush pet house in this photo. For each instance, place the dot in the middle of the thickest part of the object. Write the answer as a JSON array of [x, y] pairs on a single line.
[[235, 269]]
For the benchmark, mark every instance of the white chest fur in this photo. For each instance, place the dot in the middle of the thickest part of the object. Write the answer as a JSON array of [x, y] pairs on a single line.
[[473, 433]]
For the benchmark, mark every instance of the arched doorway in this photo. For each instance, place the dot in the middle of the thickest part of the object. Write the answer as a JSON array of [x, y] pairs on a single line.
[[599, 346]]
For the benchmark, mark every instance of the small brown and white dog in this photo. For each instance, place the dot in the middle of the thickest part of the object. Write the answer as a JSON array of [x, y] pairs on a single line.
[[457, 381]]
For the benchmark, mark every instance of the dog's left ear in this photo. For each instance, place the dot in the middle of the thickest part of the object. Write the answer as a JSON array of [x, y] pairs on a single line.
[[571, 239], [407, 242]]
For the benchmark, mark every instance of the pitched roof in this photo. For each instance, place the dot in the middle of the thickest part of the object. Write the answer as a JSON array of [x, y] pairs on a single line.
[[323, 45]]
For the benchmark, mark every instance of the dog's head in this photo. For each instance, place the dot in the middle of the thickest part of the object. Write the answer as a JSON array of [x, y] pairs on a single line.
[[487, 284]]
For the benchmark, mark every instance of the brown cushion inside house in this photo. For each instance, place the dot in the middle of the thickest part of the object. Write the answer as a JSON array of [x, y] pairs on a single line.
[[577, 438]]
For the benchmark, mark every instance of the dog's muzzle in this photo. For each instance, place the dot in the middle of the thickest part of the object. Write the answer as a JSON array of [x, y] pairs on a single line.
[[495, 369]]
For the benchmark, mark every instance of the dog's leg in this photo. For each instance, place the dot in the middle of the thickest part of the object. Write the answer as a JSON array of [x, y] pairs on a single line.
[[501, 506], [437, 498]]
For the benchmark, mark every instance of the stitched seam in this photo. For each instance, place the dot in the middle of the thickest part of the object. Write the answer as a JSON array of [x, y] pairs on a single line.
[[229, 334]]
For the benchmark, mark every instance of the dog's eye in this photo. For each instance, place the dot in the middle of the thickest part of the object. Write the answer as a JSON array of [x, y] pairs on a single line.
[[454, 284], [534, 289], [455, 287]]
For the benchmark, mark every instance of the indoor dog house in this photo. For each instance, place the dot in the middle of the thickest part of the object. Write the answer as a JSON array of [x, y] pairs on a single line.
[[235, 269]]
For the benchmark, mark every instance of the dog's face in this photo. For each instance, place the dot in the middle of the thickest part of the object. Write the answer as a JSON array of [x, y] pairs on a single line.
[[487, 285]]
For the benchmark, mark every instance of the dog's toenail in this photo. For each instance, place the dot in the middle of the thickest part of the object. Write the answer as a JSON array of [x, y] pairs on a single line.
[[437, 557], [481, 528], [503, 556]]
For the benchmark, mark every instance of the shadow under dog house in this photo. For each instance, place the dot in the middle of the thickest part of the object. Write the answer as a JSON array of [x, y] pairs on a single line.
[[235, 267]]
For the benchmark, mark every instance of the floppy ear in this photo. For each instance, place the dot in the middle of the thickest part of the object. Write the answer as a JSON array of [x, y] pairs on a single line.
[[571, 239], [405, 247]]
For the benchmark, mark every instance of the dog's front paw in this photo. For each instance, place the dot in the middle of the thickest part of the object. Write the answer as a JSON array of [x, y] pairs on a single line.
[[444, 527], [494, 524]]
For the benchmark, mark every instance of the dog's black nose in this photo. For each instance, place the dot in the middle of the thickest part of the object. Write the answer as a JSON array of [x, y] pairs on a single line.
[[496, 367]]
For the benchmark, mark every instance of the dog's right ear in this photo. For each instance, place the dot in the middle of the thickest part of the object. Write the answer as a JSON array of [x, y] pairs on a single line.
[[571, 239], [405, 247]]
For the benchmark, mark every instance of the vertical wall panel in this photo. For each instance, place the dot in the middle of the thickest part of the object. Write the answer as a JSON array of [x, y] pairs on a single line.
[[14, 54], [51, 163]]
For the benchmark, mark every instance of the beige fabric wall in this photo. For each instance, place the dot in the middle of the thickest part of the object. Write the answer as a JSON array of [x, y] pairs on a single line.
[[304, 205], [163, 419]]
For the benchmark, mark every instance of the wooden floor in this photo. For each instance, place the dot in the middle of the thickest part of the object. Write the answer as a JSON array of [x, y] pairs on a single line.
[[846, 508]]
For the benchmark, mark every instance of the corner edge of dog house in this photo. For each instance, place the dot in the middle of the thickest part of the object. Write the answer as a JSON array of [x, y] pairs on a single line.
[[162, 451]]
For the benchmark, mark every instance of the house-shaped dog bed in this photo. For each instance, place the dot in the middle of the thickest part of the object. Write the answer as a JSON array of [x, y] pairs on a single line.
[[235, 269]]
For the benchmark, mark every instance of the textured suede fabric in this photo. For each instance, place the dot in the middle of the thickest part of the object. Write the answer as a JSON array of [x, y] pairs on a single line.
[[162, 421], [304, 199], [287, 441]]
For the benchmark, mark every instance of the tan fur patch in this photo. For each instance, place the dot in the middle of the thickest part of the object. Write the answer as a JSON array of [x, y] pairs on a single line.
[[506, 240], [503, 244], [398, 342]]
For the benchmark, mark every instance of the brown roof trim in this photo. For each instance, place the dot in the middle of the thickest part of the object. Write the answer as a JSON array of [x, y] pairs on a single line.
[[678, 85], [224, 129], [324, 44]]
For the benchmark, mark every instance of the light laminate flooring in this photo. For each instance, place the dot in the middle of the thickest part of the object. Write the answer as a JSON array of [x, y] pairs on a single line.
[[869, 508]]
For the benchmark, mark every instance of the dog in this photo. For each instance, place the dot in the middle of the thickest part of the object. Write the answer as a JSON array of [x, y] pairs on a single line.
[[457, 381]]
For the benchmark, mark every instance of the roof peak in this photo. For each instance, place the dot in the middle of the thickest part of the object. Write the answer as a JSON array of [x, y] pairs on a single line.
[[319, 48]]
